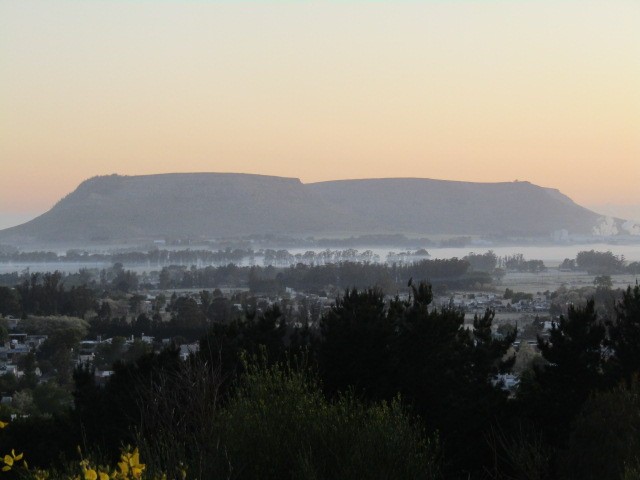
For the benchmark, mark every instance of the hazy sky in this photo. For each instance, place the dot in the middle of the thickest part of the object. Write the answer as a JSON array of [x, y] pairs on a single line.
[[545, 91]]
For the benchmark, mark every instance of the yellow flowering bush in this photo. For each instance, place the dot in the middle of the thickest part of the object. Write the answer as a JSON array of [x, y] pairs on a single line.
[[12, 460], [128, 467]]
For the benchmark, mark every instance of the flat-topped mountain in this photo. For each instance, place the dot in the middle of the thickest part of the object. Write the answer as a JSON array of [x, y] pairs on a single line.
[[441, 206], [178, 205], [208, 205]]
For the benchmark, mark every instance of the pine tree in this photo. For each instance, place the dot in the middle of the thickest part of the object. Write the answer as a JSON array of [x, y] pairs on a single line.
[[624, 335]]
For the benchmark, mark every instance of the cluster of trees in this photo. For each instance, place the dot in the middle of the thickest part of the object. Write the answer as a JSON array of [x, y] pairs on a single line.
[[484, 262], [367, 353], [45, 386], [600, 263], [490, 262], [385, 388], [45, 294], [590, 361], [380, 240], [55, 293], [515, 297], [189, 319], [445, 374], [160, 257], [452, 273], [283, 258], [207, 277], [518, 263]]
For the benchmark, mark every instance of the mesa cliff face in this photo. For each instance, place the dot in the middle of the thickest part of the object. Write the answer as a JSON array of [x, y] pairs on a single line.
[[208, 205]]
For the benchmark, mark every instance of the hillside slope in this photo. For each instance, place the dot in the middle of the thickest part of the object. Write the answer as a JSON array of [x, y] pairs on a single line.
[[440, 206], [178, 205]]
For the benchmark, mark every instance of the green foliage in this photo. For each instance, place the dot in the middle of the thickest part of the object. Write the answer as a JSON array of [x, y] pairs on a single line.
[[224, 343], [51, 399], [518, 263], [56, 350], [354, 351], [441, 369], [188, 314], [575, 366], [45, 294], [278, 425], [624, 334], [61, 325], [9, 302], [521, 453], [568, 264], [224, 417], [599, 263], [605, 437], [110, 414], [485, 262], [515, 297], [275, 424], [107, 353], [46, 441], [4, 331]]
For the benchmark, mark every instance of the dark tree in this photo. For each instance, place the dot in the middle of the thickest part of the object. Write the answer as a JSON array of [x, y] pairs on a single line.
[[575, 363], [356, 339], [9, 302], [441, 369], [624, 335]]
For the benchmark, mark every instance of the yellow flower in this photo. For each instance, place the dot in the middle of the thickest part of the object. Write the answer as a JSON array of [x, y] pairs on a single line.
[[129, 464], [90, 474], [3, 424], [9, 460], [124, 468]]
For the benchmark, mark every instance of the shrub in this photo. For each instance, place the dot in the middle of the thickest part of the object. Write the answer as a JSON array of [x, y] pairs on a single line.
[[279, 425]]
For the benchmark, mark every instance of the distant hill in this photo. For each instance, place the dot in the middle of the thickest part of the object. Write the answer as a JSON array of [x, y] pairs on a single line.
[[440, 206], [206, 205], [178, 205]]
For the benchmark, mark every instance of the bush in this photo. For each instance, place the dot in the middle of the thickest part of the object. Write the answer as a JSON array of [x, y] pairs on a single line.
[[605, 437], [279, 425]]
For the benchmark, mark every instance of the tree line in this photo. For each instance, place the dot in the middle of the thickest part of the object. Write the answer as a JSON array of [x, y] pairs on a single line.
[[402, 371]]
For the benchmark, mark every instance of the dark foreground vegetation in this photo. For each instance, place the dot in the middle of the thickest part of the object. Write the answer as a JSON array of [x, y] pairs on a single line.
[[382, 389]]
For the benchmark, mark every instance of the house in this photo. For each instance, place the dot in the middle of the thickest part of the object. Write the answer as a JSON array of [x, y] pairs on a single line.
[[84, 359], [11, 369], [188, 349], [507, 381], [12, 322]]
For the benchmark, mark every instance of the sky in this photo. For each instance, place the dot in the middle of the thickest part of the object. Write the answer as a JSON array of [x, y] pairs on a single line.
[[484, 91]]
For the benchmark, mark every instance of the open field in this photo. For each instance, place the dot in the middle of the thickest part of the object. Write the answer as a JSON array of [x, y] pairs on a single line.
[[554, 278]]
